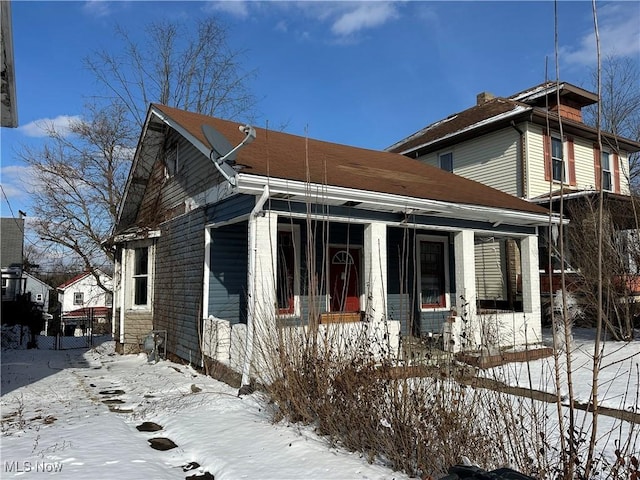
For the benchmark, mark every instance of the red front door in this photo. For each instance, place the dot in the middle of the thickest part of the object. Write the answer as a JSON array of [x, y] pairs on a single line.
[[344, 277]]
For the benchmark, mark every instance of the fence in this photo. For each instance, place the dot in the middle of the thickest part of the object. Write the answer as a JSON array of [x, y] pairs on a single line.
[[61, 342]]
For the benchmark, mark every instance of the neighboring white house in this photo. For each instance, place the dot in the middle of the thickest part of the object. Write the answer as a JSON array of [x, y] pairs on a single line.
[[84, 303]]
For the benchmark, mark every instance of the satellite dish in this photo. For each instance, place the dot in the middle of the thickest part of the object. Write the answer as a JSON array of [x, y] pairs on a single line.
[[222, 151], [219, 144]]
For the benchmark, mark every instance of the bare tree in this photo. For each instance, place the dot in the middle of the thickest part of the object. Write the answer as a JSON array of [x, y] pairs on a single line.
[[179, 65], [78, 180], [620, 105]]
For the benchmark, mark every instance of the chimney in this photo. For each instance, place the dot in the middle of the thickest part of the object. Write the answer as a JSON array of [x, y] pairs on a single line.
[[484, 97]]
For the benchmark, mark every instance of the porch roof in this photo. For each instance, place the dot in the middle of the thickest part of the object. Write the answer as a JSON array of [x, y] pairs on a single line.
[[290, 157]]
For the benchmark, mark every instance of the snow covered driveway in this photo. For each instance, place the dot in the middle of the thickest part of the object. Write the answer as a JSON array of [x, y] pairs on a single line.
[[73, 414]]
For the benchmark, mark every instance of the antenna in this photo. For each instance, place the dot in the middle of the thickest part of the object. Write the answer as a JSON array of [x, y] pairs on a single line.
[[222, 151]]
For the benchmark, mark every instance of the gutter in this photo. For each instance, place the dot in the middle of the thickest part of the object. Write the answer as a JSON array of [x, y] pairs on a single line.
[[122, 287], [251, 288], [253, 184]]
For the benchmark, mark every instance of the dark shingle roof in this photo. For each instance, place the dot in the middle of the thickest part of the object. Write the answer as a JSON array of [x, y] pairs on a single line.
[[291, 157], [497, 113], [475, 117]]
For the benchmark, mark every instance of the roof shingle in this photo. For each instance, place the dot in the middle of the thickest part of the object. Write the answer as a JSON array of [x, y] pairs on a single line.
[[291, 157]]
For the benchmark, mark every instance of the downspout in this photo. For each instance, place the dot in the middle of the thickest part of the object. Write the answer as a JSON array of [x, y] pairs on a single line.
[[251, 288], [123, 271], [523, 160]]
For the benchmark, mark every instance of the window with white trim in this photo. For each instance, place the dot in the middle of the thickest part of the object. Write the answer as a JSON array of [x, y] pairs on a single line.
[[141, 276], [39, 298], [433, 271], [78, 298], [445, 160], [605, 163], [557, 160]]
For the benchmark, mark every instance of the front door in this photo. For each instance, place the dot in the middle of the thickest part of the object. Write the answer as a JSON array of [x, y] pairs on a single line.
[[344, 277]]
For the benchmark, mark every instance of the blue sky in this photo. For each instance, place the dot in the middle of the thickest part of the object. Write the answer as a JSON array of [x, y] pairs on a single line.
[[359, 73]]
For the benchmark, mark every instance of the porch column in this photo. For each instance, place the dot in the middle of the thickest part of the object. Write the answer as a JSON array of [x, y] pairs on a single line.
[[261, 293], [465, 330], [263, 297], [375, 270], [531, 288]]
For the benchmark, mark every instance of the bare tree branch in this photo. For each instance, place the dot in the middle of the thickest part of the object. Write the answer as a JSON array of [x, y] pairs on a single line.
[[620, 105], [179, 66], [77, 182]]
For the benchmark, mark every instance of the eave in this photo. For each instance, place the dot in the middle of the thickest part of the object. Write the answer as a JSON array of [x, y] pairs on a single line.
[[383, 202], [472, 131]]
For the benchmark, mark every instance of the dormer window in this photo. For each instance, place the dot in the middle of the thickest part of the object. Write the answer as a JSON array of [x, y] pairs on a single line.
[[445, 161]]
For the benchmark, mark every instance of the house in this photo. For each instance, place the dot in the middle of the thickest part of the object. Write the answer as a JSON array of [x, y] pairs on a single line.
[[11, 251], [38, 291], [85, 307], [296, 232], [535, 145]]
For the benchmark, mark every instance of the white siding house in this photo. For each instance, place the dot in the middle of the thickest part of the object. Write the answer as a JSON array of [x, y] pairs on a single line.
[[84, 302]]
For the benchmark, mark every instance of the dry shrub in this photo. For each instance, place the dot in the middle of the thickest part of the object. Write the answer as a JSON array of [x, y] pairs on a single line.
[[369, 404]]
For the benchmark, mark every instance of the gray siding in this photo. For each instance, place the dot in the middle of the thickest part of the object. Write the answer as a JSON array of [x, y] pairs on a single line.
[[167, 191], [178, 283], [11, 236], [433, 322], [230, 208], [228, 277]]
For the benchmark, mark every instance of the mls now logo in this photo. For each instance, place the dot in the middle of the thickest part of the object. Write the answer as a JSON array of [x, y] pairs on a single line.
[[28, 467]]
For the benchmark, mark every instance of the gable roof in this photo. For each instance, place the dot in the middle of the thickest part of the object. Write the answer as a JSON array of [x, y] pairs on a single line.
[[293, 158], [73, 280], [36, 279], [500, 112], [80, 277]]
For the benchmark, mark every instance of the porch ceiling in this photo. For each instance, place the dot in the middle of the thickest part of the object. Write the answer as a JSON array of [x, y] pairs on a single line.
[[364, 200]]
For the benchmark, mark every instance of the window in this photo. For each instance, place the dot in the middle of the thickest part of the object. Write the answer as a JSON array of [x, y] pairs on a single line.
[[433, 273], [108, 299], [4, 286], [446, 161], [172, 160], [78, 298], [140, 275], [286, 273], [605, 162], [557, 160], [39, 298]]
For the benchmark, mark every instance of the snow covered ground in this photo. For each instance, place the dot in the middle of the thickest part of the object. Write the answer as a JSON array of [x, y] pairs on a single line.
[[618, 376], [73, 414]]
